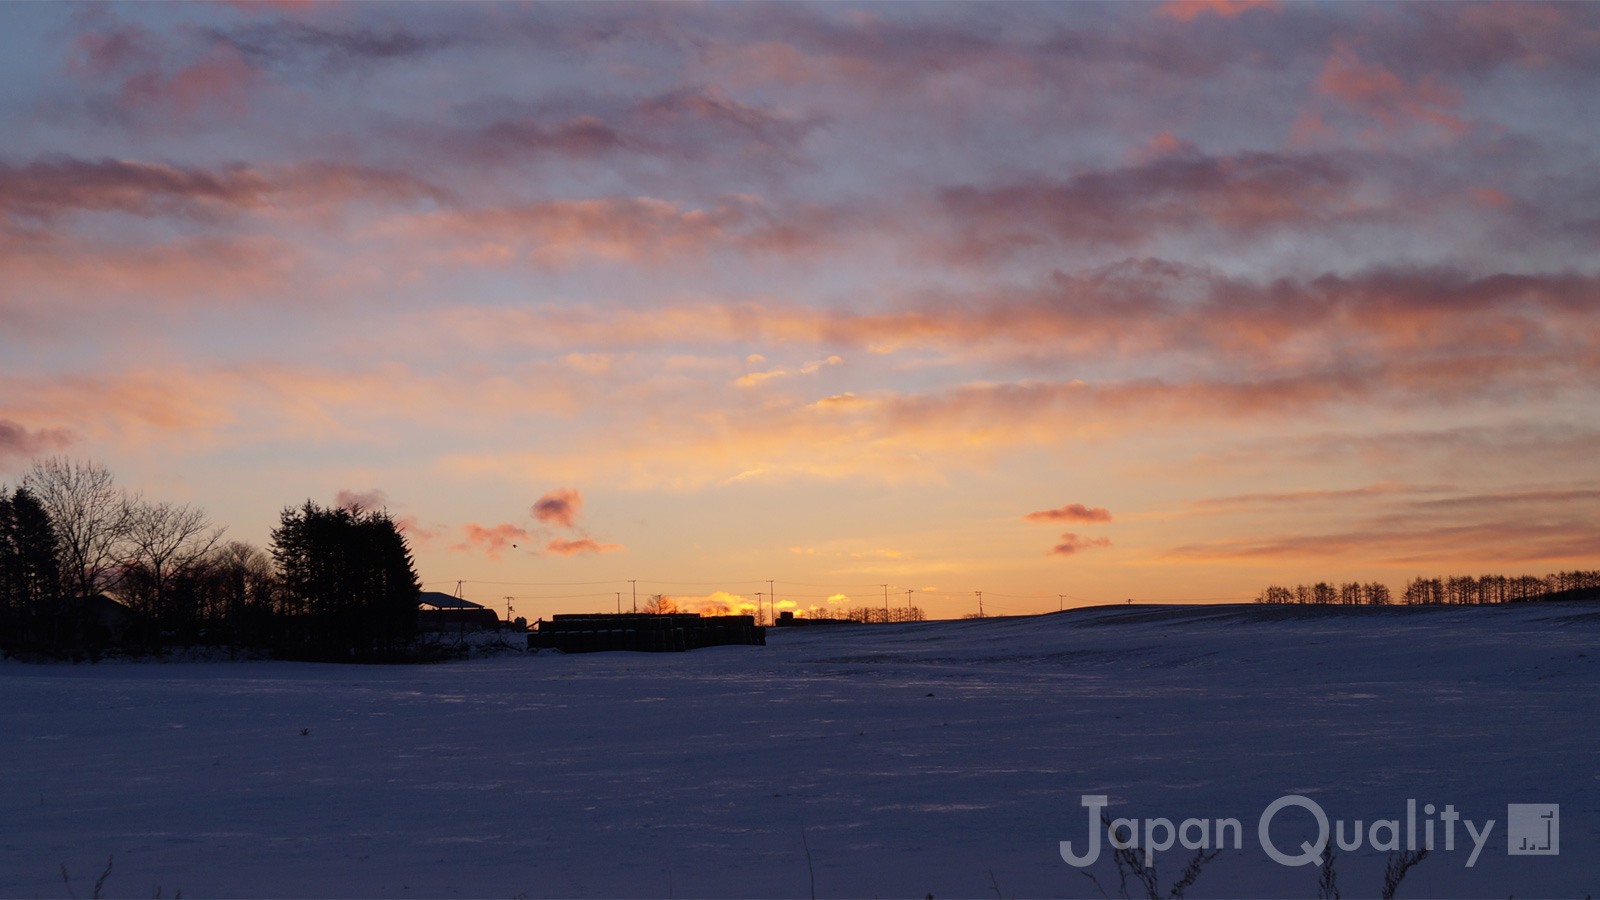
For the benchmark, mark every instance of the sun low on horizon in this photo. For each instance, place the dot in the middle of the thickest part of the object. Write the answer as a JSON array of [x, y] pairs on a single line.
[[1026, 306]]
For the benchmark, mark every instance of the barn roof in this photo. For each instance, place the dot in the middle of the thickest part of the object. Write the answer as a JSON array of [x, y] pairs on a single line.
[[441, 600]]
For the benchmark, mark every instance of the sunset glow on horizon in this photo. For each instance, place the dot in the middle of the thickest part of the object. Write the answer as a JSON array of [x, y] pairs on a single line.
[[823, 306]]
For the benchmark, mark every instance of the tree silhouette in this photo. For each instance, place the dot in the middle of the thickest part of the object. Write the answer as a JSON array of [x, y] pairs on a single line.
[[348, 578], [30, 579], [166, 544], [91, 517]]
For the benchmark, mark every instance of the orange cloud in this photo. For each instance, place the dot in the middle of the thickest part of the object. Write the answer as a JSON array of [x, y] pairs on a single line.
[[65, 278], [1072, 543], [563, 547], [1072, 512], [1474, 544], [899, 437], [563, 233], [1382, 489], [719, 603], [249, 401], [1415, 527], [1133, 307], [494, 540]]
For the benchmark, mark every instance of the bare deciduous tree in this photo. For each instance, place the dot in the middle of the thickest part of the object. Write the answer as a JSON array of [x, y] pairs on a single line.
[[91, 517], [165, 540], [660, 604]]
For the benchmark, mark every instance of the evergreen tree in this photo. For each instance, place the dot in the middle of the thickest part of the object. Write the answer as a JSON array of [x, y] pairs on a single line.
[[348, 577], [30, 581]]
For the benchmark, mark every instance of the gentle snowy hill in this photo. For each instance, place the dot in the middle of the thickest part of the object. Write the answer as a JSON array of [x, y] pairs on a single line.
[[945, 758]]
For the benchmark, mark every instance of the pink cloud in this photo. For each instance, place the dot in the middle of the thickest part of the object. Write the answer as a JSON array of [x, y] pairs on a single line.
[[1573, 540], [365, 500], [45, 187], [18, 443], [1378, 92], [1072, 543], [220, 82], [559, 507], [1072, 512], [418, 535], [1172, 187], [116, 48], [1188, 10]]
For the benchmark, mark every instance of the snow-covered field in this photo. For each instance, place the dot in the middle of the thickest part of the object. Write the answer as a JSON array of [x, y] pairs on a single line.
[[945, 758]]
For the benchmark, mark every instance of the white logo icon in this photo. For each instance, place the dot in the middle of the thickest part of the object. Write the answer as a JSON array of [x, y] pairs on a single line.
[[1533, 829]]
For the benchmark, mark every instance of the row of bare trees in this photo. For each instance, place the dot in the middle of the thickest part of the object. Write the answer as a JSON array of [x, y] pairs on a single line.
[[1465, 589], [1454, 589], [882, 615], [1350, 593]]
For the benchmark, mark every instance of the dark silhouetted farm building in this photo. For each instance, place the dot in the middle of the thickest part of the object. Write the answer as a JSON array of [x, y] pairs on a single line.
[[438, 611], [645, 632], [788, 619]]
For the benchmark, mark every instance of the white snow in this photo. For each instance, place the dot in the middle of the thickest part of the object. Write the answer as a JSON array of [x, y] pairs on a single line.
[[693, 774]]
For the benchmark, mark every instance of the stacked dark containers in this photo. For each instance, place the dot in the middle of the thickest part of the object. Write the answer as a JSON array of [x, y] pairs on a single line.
[[583, 633]]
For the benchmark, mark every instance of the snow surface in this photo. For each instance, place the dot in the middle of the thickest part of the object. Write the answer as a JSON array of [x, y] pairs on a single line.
[[943, 757]]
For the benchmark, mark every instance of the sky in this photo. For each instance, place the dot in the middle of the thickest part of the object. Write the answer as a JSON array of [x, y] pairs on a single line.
[[1067, 303]]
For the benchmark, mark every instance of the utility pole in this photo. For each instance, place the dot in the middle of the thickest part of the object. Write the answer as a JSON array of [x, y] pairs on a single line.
[[908, 604], [1061, 602], [619, 603], [980, 603], [508, 608], [635, 583], [461, 621], [772, 601], [886, 604]]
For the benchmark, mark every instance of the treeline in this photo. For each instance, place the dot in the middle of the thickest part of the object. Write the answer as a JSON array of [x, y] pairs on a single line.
[[1348, 594], [1451, 590], [86, 568], [661, 603], [880, 615], [1465, 589]]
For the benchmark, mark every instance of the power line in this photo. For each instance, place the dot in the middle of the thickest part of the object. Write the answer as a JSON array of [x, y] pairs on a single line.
[[559, 596], [836, 584], [723, 581], [1188, 599], [523, 583]]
